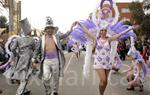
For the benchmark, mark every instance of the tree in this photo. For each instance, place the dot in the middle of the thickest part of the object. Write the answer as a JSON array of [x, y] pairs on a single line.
[[139, 17], [137, 12], [145, 27], [3, 22]]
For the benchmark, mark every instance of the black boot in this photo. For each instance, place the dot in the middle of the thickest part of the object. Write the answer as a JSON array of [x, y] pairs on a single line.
[[55, 93], [130, 88], [27, 92]]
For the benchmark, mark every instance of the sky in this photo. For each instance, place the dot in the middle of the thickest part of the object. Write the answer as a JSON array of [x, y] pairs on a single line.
[[63, 12]]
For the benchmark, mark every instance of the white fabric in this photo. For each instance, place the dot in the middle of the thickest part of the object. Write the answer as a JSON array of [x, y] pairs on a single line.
[[102, 56], [113, 50], [87, 64]]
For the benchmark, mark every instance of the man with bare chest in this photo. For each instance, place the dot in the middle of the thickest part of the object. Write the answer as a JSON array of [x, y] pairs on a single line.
[[51, 63], [52, 57], [50, 45]]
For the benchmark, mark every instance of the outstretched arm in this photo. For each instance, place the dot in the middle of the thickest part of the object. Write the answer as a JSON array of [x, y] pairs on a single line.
[[89, 34], [62, 36], [116, 36]]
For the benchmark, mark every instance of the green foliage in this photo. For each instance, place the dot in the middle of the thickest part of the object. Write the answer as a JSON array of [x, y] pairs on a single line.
[[3, 22], [140, 18], [137, 12], [145, 25]]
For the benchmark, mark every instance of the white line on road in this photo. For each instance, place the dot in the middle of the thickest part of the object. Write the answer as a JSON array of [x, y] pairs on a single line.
[[69, 62]]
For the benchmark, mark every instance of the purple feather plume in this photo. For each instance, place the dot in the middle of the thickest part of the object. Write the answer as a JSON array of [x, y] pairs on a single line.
[[78, 33]]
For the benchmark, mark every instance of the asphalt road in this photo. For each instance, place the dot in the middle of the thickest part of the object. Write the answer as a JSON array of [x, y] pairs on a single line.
[[74, 83]]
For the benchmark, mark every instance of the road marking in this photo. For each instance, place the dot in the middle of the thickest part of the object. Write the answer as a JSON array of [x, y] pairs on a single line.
[[69, 62]]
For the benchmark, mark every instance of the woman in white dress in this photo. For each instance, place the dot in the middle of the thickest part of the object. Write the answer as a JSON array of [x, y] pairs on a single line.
[[102, 48], [102, 63]]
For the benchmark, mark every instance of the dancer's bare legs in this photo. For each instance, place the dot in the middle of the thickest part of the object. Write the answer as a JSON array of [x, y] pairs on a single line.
[[103, 76]]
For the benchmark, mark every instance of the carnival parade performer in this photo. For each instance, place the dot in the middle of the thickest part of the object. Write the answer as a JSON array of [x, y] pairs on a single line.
[[101, 18], [49, 54], [24, 48], [138, 70], [76, 49], [102, 60]]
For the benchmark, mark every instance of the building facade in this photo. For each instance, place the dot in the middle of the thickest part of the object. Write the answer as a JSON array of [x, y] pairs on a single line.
[[124, 10]]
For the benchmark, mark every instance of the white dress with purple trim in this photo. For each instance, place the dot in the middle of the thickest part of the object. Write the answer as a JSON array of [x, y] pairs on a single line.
[[102, 56]]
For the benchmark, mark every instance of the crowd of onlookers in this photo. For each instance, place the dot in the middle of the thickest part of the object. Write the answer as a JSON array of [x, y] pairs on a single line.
[[142, 45]]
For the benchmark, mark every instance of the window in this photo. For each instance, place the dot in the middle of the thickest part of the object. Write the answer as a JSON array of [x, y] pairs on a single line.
[[125, 10]]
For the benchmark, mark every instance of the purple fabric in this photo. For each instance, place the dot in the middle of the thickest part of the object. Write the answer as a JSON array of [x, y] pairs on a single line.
[[144, 67], [87, 23], [70, 43], [130, 33], [116, 26], [78, 33], [50, 55], [120, 27], [4, 65], [138, 57]]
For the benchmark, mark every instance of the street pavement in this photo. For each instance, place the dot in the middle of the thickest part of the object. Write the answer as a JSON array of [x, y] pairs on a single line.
[[74, 83]]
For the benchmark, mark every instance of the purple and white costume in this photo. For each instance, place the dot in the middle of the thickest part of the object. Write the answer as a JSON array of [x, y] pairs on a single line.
[[138, 60], [102, 56], [138, 75]]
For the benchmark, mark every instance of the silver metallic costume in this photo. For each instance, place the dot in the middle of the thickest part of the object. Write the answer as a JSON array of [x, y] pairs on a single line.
[[23, 48]]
